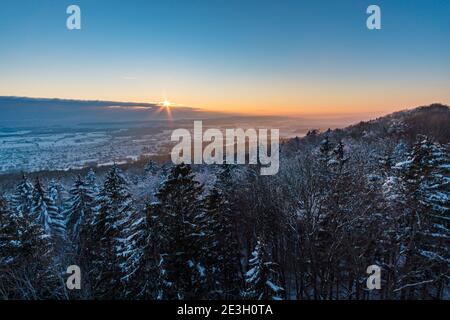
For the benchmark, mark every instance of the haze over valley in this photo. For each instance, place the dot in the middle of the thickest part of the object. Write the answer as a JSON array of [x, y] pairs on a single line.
[[55, 134]]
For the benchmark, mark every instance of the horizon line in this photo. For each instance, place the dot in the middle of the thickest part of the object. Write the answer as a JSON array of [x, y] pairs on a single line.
[[377, 113]]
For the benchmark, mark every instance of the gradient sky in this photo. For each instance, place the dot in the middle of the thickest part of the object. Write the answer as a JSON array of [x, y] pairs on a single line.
[[252, 56]]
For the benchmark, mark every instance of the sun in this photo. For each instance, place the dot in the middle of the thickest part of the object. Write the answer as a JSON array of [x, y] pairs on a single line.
[[166, 107]]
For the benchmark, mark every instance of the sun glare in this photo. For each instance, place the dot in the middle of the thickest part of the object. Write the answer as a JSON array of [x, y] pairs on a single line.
[[165, 106]]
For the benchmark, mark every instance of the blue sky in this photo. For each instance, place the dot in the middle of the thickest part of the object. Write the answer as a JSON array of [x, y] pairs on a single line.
[[255, 56]]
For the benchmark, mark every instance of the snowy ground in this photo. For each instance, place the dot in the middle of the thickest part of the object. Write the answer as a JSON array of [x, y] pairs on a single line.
[[59, 149], [63, 148]]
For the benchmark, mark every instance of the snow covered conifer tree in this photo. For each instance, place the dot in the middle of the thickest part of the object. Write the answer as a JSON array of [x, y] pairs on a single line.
[[91, 182], [426, 232], [58, 194], [222, 256], [179, 221], [22, 197], [39, 208], [36, 267], [111, 228], [45, 212], [27, 270], [141, 264], [56, 213], [8, 234], [81, 209], [79, 213], [261, 278]]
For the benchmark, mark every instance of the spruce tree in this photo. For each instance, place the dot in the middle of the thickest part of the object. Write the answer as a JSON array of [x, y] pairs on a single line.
[[37, 268], [46, 213], [27, 268], [141, 259], [426, 230], [179, 219], [91, 182], [110, 227], [22, 197], [8, 235], [223, 252], [58, 194], [261, 278], [79, 213]]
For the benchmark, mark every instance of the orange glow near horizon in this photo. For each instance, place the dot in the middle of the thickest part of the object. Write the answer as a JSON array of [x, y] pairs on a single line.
[[277, 93], [280, 94], [288, 100]]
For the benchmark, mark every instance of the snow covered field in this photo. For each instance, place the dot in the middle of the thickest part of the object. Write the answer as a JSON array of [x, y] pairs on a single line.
[[71, 145], [62, 149]]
